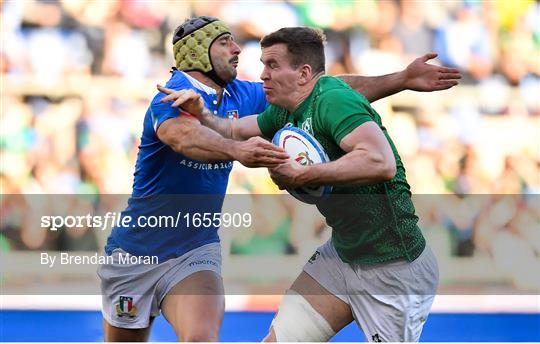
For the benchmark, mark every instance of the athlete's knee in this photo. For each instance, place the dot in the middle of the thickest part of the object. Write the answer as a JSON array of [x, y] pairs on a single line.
[[200, 334], [297, 320], [201, 330]]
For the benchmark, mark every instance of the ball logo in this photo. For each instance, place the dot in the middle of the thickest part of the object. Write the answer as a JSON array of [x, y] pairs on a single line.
[[303, 156], [303, 159], [306, 151]]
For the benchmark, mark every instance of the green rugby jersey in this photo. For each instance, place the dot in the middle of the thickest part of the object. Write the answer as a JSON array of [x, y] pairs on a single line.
[[372, 223]]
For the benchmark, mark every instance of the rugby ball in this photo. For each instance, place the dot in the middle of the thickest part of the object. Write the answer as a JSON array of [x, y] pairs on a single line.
[[305, 149]]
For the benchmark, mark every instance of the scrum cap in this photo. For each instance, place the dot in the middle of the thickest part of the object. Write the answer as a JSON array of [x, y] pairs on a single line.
[[192, 41]]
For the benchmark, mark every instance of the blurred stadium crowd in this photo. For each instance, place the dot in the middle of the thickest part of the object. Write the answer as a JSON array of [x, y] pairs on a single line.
[[77, 77]]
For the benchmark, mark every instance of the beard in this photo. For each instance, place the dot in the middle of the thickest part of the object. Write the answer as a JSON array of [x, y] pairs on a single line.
[[227, 74], [225, 71]]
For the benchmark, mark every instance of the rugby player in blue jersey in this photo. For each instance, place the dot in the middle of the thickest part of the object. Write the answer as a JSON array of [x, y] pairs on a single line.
[[178, 156]]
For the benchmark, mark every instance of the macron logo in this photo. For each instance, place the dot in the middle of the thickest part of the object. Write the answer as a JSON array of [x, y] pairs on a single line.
[[203, 262]]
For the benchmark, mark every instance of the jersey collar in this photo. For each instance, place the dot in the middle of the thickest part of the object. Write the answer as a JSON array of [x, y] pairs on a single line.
[[200, 86]]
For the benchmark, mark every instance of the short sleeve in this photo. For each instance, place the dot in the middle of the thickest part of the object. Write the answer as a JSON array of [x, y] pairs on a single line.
[[160, 112], [258, 98], [341, 111], [271, 120], [249, 96]]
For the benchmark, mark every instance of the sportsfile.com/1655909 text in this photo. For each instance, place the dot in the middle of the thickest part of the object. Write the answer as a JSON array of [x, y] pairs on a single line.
[[181, 220]]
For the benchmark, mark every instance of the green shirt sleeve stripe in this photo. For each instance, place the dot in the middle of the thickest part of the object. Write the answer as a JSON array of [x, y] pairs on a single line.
[[266, 123], [348, 125], [341, 111]]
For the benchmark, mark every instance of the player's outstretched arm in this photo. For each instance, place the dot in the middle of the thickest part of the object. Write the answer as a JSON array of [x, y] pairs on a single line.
[[191, 101], [369, 159], [418, 76], [187, 136]]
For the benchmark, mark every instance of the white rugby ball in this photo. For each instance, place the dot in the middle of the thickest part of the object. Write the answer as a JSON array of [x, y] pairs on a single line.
[[305, 149]]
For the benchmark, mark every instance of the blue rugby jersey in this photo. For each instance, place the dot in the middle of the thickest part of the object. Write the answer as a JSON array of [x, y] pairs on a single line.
[[161, 173]]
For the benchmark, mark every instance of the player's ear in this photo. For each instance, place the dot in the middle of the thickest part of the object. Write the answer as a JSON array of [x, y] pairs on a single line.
[[306, 74]]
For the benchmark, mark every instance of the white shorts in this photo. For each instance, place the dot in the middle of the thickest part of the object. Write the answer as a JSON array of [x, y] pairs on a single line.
[[132, 293], [390, 302]]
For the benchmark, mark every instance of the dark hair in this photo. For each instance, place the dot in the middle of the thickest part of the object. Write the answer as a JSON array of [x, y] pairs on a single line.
[[304, 44]]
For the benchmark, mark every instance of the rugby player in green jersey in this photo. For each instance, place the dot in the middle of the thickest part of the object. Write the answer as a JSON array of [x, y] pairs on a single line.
[[376, 269]]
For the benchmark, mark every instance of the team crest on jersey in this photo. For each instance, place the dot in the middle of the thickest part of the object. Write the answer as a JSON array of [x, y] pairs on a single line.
[[126, 307], [232, 114], [306, 126]]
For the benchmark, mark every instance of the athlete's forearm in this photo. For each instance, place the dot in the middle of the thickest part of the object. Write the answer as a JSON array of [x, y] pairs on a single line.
[[223, 126], [198, 142], [376, 87], [356, 167], [418, 76], [203, 144], [187, 136], [237, 129]]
